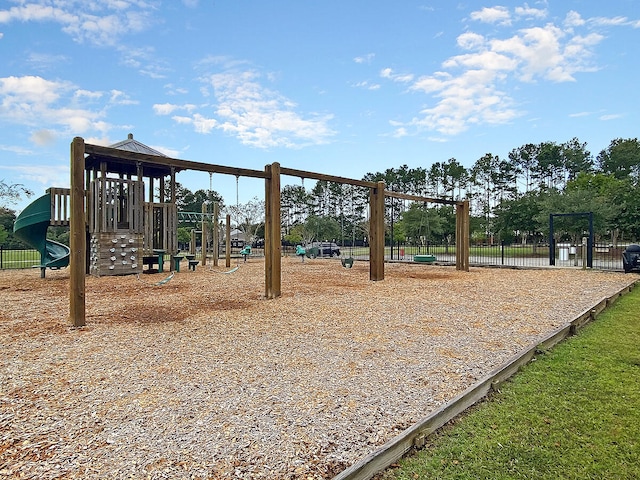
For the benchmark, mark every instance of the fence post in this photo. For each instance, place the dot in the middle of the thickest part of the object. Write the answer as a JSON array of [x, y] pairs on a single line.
[[502, 251], [1, 257]]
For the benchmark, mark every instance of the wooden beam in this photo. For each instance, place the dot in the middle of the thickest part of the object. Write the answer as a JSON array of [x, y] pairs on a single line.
[[328, 178], [143, 158], [77, 238], [418, 198]]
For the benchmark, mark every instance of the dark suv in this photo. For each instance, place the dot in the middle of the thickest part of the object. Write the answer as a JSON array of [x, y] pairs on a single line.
[[325, 249]]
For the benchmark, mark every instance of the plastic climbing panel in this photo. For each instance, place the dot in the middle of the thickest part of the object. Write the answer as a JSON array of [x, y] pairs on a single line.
[[115, 253]]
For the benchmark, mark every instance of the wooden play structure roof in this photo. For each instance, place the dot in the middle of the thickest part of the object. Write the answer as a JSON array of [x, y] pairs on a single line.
[[117, 159]]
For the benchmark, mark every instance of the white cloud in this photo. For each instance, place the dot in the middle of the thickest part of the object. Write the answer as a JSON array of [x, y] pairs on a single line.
[[202, 124], [609, 21], [368, 58], [255, 114], [367, 85], [102, 23], [169, 108], [164, 108], [499, 15], [396, 77], [470, 88], [573, 19], [606, 118], [531, 13], [54, 106], [56, 174], [18, 150], [169, 152], [121, 98], [81, 93], [43, 137], [470, 41]]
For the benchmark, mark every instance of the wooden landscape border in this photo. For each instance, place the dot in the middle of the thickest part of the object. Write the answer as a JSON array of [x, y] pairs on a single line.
[[416, 435]]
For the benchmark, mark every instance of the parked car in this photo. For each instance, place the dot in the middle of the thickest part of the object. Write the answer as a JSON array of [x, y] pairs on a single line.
[[631, 258], [325, 249]]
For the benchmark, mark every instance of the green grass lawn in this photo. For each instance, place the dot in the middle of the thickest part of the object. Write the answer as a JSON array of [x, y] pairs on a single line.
[[20, 258], [574, 413]]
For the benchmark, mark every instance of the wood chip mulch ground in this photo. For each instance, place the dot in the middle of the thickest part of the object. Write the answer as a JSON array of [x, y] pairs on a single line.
[[204, 378]]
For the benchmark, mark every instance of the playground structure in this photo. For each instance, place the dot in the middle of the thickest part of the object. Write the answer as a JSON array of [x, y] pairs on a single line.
[[90, 164], [123, 232]]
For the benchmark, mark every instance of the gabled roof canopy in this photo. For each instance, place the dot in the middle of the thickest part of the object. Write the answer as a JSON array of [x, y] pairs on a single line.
[[122, 165]]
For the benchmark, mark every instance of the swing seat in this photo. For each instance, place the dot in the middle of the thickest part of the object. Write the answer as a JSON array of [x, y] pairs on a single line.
[[312, 252], [245, 252], [347, 262], [424, 258]]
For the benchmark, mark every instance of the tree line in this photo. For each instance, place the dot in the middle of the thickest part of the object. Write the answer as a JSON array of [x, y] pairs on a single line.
[[511, 199]]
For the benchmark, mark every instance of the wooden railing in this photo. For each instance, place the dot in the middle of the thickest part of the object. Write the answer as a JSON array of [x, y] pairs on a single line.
[[60, 206]]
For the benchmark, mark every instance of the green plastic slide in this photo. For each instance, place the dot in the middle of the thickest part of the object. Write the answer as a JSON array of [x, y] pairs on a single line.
[[31, 227]]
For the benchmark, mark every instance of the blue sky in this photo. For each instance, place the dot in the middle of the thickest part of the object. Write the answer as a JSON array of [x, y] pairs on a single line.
[[339, 87]]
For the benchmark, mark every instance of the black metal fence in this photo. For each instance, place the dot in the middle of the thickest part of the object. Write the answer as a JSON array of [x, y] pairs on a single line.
[[604, 257]]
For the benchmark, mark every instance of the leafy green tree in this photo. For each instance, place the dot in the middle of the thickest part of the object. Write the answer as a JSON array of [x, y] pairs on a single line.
[[576, 159], [421, 224], [321, 229], [621, 158], [188, 201], [519, 217], [184, 235], [296, 235], [7, 219], [548, 171], [484, 174], [455, 179], [294, 201], [524, 160]]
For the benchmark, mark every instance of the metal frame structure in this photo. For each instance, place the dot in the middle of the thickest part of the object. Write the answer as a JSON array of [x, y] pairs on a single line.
[[552, 242]]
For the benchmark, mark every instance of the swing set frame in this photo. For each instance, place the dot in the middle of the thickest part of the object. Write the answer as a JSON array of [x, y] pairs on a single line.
[[273, 246]]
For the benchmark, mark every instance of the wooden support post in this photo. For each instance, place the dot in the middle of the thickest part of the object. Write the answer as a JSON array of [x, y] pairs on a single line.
[[376, 233], [272, 233], [150, 189], [161, 192], [77, 238], [459, 239], [227, 250], [204, 235], [466, 234], [216, 234], [462, 236]]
